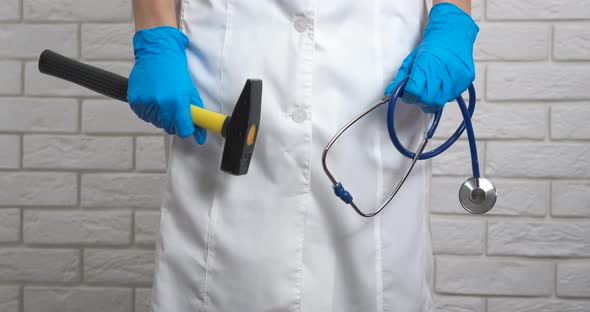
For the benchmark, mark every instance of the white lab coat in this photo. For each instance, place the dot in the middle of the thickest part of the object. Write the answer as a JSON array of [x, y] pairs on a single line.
[[278, 239]]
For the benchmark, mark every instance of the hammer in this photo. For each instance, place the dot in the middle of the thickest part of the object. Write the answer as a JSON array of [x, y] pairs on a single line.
[[239, 130]]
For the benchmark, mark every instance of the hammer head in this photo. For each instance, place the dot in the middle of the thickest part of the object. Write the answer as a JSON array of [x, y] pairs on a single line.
[[242, 129]]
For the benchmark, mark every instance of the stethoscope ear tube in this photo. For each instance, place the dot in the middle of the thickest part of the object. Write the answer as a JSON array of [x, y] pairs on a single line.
[[477, 195]]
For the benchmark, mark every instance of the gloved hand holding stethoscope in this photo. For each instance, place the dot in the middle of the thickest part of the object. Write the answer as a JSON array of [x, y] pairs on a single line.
[[438, 71]]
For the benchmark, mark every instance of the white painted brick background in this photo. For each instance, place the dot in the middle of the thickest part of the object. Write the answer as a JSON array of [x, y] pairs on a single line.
[[81, 178]]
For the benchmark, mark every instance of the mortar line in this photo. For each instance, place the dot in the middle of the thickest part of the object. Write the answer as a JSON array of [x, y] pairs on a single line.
[[465, 217], [21, 295]]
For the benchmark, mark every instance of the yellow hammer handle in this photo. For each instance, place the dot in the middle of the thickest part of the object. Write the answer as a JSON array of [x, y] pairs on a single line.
[[207, 119]]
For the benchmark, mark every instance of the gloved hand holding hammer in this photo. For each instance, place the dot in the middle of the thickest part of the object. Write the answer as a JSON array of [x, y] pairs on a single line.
[[160, 86]]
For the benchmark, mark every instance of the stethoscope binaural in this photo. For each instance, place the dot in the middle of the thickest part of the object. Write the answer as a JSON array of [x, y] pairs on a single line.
[[477, 195]]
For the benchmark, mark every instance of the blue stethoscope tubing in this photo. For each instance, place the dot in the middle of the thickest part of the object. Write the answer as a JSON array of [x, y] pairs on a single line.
[[477, 195], [466, 111]]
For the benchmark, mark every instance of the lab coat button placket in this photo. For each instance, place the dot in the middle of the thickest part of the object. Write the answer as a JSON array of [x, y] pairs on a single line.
[[299, 116], [300, 23]]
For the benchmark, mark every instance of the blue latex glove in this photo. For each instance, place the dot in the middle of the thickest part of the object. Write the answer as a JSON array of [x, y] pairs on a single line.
[[441, 68], [160, 86]]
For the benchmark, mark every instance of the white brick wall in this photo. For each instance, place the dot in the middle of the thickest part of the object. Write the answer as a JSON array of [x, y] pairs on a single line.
[[74, 299], [107, 41], [573, 279], [142, 300], [81, 178], [572, 41], [10, 78], [127, 267], [85, 228], [9, 298], [76, 10], [62, 38]]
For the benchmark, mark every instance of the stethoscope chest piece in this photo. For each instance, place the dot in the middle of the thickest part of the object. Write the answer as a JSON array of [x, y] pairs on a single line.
[[477, 195]]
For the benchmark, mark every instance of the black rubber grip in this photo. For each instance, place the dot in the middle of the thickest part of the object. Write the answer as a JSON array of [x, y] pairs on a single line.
[[93, 78]]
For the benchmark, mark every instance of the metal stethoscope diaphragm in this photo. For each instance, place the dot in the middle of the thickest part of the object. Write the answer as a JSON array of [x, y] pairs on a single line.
[[477, 195]]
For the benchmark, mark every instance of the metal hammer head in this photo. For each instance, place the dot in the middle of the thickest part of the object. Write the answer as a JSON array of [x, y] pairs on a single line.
[[241, 129]]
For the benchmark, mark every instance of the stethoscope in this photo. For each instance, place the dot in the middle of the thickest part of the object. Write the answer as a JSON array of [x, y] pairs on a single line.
[[477, 195]]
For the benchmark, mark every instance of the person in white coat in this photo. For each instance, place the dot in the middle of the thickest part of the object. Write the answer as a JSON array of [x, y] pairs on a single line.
[[277, 239]]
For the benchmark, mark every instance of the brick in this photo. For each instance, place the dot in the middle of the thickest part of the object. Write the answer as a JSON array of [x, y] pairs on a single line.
[[9, 151], [570, 198], [537, 81], [38, 115], [77, 227], [9, 299], [513, 42], [10, 78], [538, 239], [477, 10], [143, 300], [107, 41], [9, 226], [493, 277], [536, 305], [146, 227], [40, 84], [521, 198], [458, 304], [122, 190], [444, 197], [77, 152], [150, 153], [572, 41], [95, 113], [38, 188], [573, 279], [517, 159], [570, 121], [537, 9], [77, 10], [497, 121], [457, 236], [456, 160], [28, 41], [39, 265], [118, 266], [10, 11], [87, 299]]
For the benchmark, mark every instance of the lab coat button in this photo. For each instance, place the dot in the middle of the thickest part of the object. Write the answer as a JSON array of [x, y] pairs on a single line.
[[299, 116], [300, 23]]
